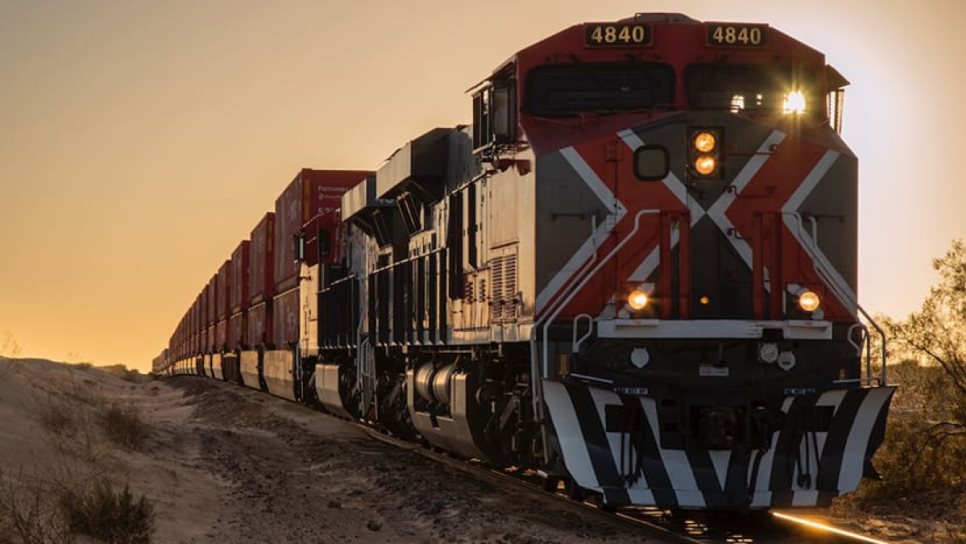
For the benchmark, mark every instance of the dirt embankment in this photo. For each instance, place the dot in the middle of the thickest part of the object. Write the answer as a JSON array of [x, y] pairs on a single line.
[[225, 464]]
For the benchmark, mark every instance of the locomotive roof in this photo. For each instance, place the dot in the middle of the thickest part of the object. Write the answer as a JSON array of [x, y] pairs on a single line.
[[569, 39]]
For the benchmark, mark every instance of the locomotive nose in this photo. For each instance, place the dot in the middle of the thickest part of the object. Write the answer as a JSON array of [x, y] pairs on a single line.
[[736, 195]]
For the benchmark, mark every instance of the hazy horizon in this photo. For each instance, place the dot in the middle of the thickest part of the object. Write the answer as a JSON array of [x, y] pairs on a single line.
[[142, 140]]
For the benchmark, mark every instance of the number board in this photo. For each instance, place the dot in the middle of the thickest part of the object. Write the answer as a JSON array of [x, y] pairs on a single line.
[[616, 35], [737, 35]]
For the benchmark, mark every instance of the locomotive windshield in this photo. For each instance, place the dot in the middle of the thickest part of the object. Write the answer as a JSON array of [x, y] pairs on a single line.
[[754, 88], [565, 90]]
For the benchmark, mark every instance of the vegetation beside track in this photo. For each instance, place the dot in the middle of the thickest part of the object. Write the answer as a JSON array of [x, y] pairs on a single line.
[[923, 459]]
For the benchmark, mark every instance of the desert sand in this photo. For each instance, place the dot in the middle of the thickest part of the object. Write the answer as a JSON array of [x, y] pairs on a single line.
[[225, 464]]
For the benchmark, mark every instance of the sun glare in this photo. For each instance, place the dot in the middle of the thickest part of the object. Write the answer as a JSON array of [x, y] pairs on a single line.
[[795, 103], [827, 528]]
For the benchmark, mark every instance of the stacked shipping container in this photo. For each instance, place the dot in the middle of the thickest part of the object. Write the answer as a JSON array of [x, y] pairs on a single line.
[[238, 299], [252, 302], [312, 193], [261, 281], [222, 288]]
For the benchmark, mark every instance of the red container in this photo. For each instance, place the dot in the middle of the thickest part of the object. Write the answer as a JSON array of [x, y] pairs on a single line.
[[221, 335], [261, 278], [223, 290], [238, 330], [238, 300], [196, 326], [260, 323], [285, 317], [223, 284], [212, 313], [311, 193]]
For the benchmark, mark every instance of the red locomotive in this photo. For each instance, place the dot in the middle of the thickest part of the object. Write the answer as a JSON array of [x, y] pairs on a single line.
[[635, 272]]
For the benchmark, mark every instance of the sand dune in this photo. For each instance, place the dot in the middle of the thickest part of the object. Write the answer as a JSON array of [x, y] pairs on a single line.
[[225, 464]]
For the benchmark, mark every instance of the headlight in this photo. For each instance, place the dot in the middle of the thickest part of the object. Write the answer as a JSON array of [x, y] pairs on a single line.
[[705, 142], [705, 165], [637, 300], [809, 301], [794, 103]]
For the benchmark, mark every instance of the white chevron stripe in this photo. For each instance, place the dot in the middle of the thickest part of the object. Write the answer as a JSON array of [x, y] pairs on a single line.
[[676, 463], [572, 445], [586, 250], [721, 459], [853, 458], [762, 495], [653, 259], [802, 496], [601, 399], [673, 184], [839, 285], [748, 172], [718, 210]]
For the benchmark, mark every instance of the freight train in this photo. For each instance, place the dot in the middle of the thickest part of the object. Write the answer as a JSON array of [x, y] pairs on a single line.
[[634, 273]]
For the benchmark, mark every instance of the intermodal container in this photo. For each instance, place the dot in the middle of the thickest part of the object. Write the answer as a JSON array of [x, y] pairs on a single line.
[[239, 277], [260, 323], [311, 193], [224, 290], [212, 312], [285, 317], [196, 326], [238, 301], [223, 285], [262, 279]]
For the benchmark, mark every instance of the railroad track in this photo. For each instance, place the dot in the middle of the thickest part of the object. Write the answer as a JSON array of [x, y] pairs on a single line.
[[523, 484], [698, 527], [686, 527]]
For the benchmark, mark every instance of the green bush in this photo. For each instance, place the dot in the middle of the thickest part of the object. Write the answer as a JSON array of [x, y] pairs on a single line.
[[111, 516]]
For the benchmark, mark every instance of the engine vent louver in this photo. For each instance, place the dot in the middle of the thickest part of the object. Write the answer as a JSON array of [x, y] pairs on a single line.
[[503, 289]]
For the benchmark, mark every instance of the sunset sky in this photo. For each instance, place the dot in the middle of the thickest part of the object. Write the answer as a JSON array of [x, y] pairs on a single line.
[[141, 140]]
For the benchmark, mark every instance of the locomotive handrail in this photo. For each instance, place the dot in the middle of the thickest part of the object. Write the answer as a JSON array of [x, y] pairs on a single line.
[[534, 359], [882, 337], [864, 340], [810, 247], [586, 278], [590, 330]]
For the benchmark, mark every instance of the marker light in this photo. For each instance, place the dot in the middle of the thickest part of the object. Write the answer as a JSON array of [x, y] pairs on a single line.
[[794, 103], [768, 352], [809, 301], [705, 142], [705, 165], [637, 300]]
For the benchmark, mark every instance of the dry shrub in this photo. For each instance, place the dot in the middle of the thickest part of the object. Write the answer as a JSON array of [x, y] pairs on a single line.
[[69, 500], [57, 417], [27, 511], [923, 458], [9, 346], [70, 419], [83, 366], [132, 376], [109, 515], [123, 426]]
